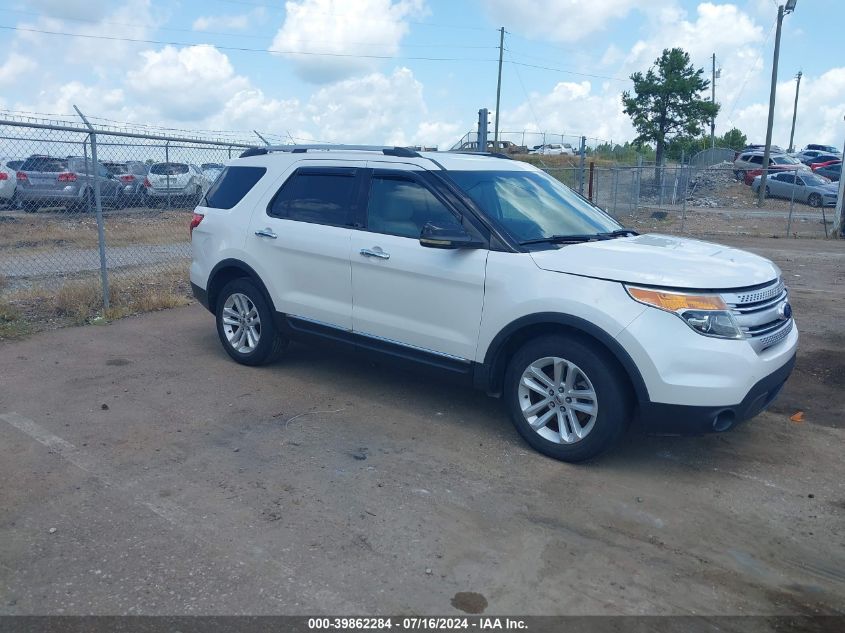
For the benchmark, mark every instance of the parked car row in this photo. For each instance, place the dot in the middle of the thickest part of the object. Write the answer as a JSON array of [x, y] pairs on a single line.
[[50, 181], [808, 175]]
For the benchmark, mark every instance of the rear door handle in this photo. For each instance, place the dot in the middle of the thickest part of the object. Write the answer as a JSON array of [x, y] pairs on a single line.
[[268, 232], [366, 252]]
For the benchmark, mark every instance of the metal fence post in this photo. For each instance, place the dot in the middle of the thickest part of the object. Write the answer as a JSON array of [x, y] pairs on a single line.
[[167, 176], [615, 191], [583, 152], [101, 233], [686, 193], [639, 180]]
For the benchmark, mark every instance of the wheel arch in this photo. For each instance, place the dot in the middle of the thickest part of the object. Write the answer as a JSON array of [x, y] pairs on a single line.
[[489, 376], [227, 270]]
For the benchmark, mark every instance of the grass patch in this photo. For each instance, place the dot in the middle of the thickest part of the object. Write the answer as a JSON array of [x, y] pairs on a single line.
[[12, 322], [36, 232], [80, 301]]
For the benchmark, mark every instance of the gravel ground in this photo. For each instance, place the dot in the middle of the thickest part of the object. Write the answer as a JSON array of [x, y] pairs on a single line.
[[144, 472]]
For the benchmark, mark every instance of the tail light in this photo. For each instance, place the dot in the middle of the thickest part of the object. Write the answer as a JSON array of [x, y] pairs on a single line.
[[147, 183], [196, 218], [127, 178], [67, 176], [4, 175], [21, 176]]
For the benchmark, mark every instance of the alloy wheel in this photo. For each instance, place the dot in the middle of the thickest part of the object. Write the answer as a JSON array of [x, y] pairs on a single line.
[[241, 323], [557, 400]]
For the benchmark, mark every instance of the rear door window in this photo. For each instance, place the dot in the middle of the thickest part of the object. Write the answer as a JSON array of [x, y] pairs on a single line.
[[232, 185], [317, 195]]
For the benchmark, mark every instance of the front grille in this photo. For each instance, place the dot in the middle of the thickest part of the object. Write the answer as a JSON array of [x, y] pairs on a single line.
[[758, 312]]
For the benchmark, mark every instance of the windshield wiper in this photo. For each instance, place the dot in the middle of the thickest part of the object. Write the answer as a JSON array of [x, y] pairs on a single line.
[[585, 237]]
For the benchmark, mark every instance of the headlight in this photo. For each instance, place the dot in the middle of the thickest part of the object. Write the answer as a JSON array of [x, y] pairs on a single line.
[[707, 314]]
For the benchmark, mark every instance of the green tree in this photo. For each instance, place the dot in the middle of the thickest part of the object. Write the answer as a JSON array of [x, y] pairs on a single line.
[[667, 101], [733, 138]]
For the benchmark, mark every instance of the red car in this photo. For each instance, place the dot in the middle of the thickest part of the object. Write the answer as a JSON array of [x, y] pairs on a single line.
[[751, 174], [815, 166]]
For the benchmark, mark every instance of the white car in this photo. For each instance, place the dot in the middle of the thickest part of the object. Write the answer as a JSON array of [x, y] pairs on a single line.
[[182, 181], [554, 149], [8, 179], [490, 270]]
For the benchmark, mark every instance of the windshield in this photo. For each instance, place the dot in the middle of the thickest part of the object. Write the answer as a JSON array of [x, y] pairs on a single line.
[[785, 160], [169, 169], [531, 204], [116, 168]]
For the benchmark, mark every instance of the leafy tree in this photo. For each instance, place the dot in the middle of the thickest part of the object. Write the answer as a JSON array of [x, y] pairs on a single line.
[[667, 101], [733, 138]]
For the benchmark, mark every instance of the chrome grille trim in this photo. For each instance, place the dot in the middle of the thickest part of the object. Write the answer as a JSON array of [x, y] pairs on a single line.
[[757, 314]]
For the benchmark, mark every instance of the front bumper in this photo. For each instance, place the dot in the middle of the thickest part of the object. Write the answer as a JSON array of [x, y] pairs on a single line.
[[678, 419]]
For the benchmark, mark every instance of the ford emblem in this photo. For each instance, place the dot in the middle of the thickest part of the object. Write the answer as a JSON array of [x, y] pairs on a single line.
[[785, 311]]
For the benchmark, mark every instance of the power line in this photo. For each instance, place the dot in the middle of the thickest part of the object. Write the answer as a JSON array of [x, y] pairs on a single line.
[[230, 34], [565, 71], [750, 71], [242, 49]]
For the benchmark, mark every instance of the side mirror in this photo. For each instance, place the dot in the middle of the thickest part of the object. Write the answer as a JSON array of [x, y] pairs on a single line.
[[433, 236]]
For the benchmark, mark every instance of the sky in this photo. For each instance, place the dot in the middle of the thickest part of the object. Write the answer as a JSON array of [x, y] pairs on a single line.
[[412, 71]]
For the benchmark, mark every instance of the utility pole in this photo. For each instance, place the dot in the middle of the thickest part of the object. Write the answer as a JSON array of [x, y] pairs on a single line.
[[839, 222], [713, 100], [499, 89], [794, 111], [761, 193]]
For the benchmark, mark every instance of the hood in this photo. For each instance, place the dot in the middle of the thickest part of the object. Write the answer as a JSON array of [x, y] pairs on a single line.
[[661, 260]]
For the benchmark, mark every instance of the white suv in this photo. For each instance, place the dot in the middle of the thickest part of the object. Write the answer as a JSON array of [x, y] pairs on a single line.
[[492, 270]]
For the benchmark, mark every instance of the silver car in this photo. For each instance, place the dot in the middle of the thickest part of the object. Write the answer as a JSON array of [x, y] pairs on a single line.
[[807, 187], [48, 181], [183, 181]]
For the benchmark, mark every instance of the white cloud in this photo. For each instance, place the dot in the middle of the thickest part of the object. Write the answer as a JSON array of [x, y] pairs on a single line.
[[185, 84], [132, 19], [15, 66], [821, 104], [572, 109], [374, 108], [363, 27], [237, 22], [558, 20]]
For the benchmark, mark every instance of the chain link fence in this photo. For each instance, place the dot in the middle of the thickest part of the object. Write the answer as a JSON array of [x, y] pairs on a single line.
[[704, 201], [94, 221]]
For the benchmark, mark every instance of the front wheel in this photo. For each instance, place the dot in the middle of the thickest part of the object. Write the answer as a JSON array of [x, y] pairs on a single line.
[[567, 398], [815, 200], [246, 325]]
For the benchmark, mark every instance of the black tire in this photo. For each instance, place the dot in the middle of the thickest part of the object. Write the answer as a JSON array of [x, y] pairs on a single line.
[[767, 191], [613, 395], [740, 175], [815, 200], [86, 204], [271, 343]]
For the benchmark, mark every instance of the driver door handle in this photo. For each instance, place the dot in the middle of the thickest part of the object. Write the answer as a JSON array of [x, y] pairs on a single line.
[[366, 252], [268, 232]]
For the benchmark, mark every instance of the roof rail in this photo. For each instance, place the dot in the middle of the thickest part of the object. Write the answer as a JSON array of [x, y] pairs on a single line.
[[474, 153], [403, 152]]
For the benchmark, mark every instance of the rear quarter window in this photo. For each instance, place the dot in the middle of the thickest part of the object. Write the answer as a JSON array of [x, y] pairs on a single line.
[[232, 185]]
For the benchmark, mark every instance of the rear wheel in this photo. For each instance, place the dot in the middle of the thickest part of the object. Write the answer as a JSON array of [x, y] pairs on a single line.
[[815, 200], [85, 204], [246, 324], [566, 397], [767, 191]]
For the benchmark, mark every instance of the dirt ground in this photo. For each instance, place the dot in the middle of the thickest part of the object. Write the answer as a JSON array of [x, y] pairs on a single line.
[[146, 473]]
